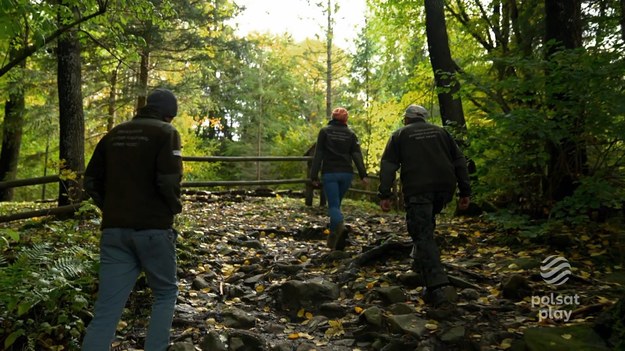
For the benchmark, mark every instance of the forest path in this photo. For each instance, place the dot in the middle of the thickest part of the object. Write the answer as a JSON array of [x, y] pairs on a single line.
[[237, 254]]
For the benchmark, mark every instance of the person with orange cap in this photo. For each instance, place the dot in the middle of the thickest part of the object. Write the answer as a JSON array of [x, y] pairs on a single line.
[[337, 147]]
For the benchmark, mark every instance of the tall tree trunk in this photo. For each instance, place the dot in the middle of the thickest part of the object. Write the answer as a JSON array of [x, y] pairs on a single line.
[[567, 155], [110, 121], [13, 125], [142, 84], [329, 35], [622, 19], [443, 65], [71, 120]]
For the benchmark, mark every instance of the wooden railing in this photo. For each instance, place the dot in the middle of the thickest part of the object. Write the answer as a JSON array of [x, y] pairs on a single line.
[[308, 192]]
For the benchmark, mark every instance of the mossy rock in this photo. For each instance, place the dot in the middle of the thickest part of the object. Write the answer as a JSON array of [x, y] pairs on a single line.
[[578, 337]]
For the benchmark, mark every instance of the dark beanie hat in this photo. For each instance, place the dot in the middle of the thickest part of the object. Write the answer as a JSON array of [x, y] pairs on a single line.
[[416, 111], [164, 102], [340, 114]]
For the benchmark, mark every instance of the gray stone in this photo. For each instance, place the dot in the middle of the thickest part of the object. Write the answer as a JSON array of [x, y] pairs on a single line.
[[332, 310], [516, 288], [200, 283], [470, 294], [391, 294], [401, 308], [454, 335], [296, 294], [242, 340], [213, 341], [579, 337], [182, 346], [239, 319], [373, 316], [408, 324]]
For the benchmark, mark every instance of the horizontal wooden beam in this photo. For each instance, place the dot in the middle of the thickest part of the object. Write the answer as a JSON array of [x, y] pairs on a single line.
[[243, 182], [245, 158], [30, 181], [41, 213]]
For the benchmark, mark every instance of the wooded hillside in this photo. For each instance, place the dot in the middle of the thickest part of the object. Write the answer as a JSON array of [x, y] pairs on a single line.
[[532, 91]]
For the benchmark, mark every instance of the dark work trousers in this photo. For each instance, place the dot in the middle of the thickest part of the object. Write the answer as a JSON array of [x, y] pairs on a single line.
[[421, 211]]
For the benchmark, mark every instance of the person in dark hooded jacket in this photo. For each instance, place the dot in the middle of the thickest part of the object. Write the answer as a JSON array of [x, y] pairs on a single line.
[[337, 146], [431, 167], [134, 177]]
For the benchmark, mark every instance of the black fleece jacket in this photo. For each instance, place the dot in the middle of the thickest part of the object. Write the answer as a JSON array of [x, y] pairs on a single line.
[[337, 145], [135, 172], [429, 159]]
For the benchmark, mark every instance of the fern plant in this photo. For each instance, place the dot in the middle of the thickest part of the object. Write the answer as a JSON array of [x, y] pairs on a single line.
[[43, 287]]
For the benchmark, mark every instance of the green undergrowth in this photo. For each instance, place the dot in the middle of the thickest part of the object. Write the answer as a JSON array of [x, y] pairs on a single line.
[[47, 279]]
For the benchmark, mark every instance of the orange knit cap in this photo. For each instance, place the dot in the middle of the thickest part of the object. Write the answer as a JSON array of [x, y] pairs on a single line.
[[340, 114]]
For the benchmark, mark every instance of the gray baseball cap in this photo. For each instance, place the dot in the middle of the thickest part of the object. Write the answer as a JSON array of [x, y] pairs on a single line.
[[416, 111]]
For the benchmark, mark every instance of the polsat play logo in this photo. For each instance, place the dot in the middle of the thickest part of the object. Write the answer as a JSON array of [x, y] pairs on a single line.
[[555, 270]]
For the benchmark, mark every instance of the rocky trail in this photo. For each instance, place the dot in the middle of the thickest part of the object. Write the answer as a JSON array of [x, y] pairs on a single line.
[[255, 275]]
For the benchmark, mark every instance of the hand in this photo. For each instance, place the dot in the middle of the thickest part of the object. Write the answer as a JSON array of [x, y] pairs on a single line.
[[463, 202], [385, 205], [316, 184]]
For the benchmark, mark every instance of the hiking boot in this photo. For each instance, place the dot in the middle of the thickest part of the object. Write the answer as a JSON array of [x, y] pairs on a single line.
[[341, 237], [442, 301], [331, 240], [442, 294]]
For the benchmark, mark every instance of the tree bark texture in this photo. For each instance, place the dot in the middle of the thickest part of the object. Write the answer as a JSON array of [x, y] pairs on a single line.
[[443, 65], [71, 119], [568, 154], [12, 127]]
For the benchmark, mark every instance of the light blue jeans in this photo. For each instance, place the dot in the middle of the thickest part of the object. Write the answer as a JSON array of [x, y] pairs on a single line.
[[335, 185], [124, 254]]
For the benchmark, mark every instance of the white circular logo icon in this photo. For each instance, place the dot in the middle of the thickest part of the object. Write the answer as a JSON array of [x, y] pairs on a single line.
[[555, 270]]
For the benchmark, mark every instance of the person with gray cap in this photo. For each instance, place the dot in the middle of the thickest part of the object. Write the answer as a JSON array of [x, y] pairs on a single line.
[[431, 166], [134, 177]]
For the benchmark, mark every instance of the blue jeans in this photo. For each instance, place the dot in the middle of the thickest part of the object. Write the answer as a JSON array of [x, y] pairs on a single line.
[[124, 254], [335, 185]]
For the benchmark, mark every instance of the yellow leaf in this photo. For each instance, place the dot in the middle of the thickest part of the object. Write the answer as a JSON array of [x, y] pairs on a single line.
[[359, 296], [603, 299], [293, 336], [453, 233], [303, 258], [121, 325], [301, 313], [431, 326], [477, 233], [370, 285], [358, 310], [566, 336], [384, 284], [506, 344], [334, 323], [308, 315], [585, 237], [584, 274], [494, 292], [598, 253], [260, 288], [513, 266], [326, 231]]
